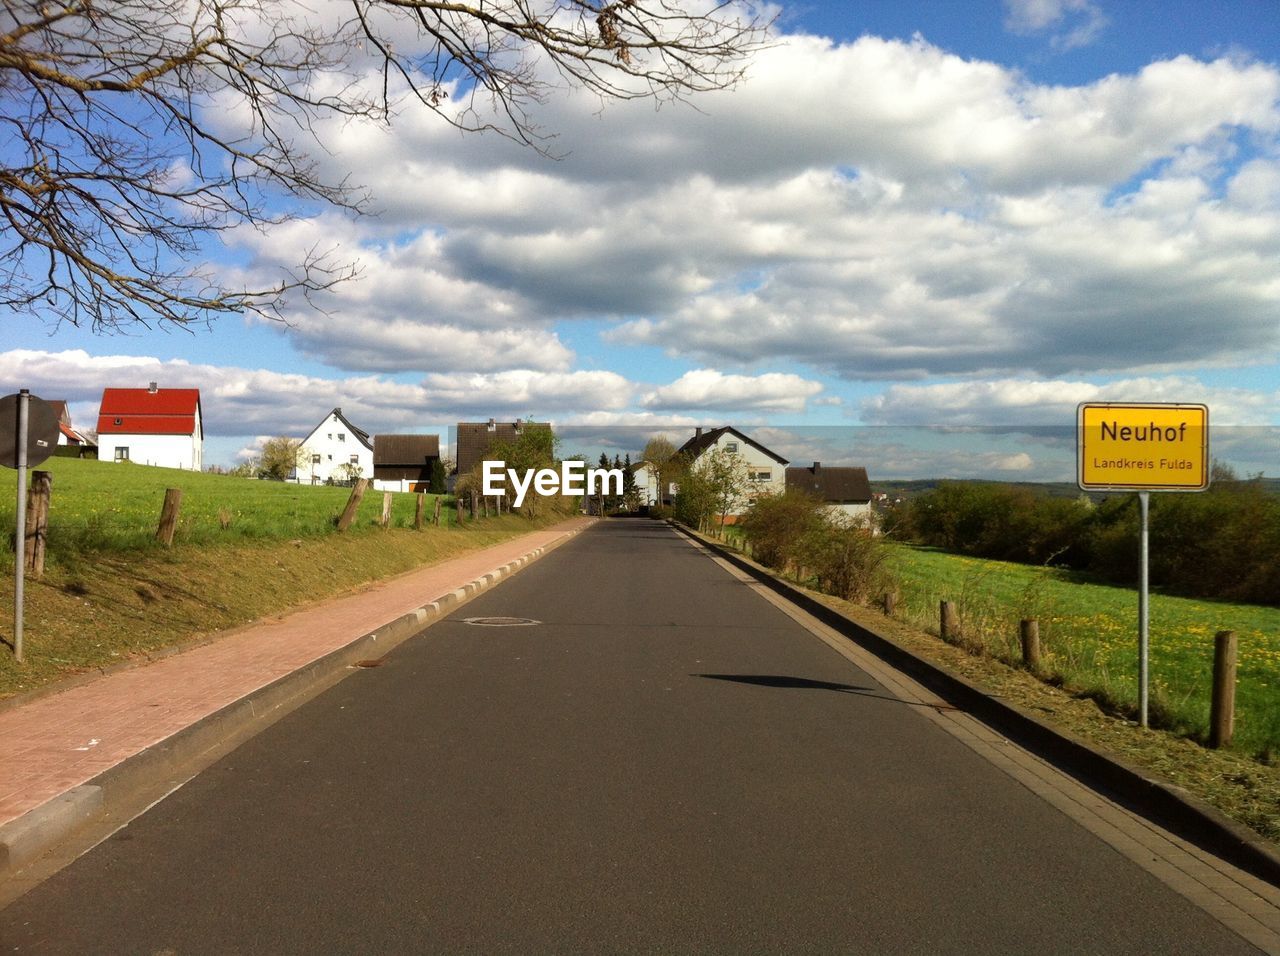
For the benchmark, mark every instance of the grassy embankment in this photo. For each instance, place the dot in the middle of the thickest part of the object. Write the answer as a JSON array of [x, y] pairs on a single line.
[[1090, 632], [243, 550]]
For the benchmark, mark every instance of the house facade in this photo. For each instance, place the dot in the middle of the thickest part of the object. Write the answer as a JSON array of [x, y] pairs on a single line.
[[404, 462], [473, 440], [335, 451], [765, 471], [152, 426], [846, 492]]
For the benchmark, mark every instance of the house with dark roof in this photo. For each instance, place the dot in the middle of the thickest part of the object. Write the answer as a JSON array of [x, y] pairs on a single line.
[[845, 491], [765, 470], [404, 462], [152, 426], [335, 452], [473, 440], [67, 433]]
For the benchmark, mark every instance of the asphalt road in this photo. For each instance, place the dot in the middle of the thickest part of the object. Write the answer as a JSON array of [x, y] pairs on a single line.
[[665, 763]]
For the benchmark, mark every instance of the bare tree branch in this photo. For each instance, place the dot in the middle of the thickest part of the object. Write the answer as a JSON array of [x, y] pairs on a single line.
[[134, 131]]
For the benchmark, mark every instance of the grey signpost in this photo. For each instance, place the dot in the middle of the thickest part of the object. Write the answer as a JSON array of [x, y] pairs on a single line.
[[28, 435], [1144, 447]]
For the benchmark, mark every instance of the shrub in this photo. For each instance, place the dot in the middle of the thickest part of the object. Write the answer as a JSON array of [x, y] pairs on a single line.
[[775, 524], [846, 562]]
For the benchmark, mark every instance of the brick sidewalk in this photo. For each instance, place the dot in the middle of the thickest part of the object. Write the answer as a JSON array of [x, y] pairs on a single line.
[[61, 741]]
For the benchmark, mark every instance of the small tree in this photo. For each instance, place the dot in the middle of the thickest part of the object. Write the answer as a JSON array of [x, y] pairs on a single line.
[[439, 481], [726, 475], [630, 490], [660, 455], [280, 457]]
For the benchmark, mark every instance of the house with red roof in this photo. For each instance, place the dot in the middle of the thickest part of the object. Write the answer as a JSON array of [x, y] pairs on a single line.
[[151, 426]]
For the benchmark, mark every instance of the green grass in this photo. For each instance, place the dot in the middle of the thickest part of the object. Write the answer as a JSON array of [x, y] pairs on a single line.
[[1090, 634], [106, 506]]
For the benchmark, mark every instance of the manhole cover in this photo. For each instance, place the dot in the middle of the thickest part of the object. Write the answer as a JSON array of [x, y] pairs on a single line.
[[500, 621]]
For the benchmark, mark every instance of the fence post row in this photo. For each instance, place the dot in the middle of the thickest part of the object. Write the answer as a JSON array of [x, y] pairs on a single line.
[[36, 532], [948, 621], [353, 504], [1222, 708], [1029, 632], [169, 516]]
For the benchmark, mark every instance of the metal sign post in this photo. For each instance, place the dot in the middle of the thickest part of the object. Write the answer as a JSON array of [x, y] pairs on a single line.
[[1144, 615], [1143, 448], [28, 435], [20, 563]]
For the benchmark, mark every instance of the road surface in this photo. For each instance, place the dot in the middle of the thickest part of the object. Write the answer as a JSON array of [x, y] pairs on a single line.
[[665, 762]]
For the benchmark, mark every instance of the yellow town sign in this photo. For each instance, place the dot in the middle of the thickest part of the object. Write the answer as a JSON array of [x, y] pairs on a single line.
[[1152, 447]]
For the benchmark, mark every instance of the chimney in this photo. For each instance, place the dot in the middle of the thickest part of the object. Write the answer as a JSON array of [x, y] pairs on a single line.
[[697, 432], [816, 466], [152, 389]]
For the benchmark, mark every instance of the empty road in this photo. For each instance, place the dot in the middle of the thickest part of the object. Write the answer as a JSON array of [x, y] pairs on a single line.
[[664, 762]]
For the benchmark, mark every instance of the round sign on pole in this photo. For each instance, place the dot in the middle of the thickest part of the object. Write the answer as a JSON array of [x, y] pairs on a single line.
[[42, 431]]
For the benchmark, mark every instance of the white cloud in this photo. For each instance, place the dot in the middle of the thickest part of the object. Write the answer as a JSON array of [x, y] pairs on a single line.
[[908, 213], [1034, 403], [709, 389], [1081, 20]]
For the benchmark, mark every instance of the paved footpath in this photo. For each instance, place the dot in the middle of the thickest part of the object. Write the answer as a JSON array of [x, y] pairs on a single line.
[[58, 742]]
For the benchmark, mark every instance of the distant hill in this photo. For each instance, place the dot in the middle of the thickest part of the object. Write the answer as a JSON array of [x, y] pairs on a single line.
[[906, 490]]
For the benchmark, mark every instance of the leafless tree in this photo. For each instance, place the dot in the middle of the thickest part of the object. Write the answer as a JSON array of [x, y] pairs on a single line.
[[131, 131]]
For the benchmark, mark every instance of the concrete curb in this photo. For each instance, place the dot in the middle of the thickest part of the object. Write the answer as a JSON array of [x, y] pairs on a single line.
[[1159, 800], [63, 817]]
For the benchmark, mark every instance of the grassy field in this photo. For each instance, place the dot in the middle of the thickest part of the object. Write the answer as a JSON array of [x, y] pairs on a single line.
[[112, 595], [1090, 634], [107, 506]]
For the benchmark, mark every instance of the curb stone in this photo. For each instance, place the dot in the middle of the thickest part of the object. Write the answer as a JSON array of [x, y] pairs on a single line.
[[60, 819], [1159, 800]]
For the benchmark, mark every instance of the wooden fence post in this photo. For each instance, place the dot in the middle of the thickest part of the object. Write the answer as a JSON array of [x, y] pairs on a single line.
[[418, 507], [37, 530], [458, 502], [471, 504], [169, 516], [890, 600], [1029, 632], [353, 504], [435, 518], [948, 621], [1222, 708], [385, 521]]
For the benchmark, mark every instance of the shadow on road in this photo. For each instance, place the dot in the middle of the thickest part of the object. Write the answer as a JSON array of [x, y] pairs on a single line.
[[804, 683]]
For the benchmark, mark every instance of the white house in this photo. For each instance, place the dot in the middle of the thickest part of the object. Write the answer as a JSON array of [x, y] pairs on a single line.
[[336, 450], [765, 470], [845, 491], [151, 426]]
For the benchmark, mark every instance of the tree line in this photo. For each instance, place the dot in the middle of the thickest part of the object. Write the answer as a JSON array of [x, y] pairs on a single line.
[[1221, 543]]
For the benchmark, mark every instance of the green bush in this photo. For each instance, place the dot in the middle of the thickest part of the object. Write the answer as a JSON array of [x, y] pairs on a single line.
[[775, 524], [845, 562]]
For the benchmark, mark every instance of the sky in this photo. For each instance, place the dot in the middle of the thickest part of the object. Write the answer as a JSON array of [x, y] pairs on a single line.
[[914, 238]]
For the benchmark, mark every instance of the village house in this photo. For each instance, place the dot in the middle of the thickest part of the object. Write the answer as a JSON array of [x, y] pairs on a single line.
[[765, 471], [75, 442], [845, 491], [151, 426], [404, 462], [474, 439], [336, 452]]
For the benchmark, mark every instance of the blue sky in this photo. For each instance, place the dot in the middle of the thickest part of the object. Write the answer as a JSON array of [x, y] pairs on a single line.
[[956, 214]]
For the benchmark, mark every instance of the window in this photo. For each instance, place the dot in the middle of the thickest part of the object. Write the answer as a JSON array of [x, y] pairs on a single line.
[[355, 459], [342, 436], [122, 453], [731, 447], [331, 458], [329, 436], [315, 459], [764, 475]]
